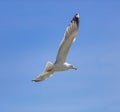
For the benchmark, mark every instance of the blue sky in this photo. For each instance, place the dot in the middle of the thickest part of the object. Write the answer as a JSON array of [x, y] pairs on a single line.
[[30, 33]]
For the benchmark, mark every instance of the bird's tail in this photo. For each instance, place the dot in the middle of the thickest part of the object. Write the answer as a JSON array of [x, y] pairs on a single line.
[[49, 67]]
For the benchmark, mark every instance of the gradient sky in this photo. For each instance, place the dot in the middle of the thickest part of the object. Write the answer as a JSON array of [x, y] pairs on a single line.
[[30, 33]]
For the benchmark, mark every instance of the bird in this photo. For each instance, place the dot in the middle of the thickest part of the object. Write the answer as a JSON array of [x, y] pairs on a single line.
[[60, 63]]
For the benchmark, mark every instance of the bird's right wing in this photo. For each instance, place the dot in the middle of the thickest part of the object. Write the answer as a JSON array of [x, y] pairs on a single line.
[[42, 76], [69, 37]]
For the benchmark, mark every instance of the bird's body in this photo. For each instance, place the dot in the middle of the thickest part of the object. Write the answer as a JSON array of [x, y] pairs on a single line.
[[62, 67], [60, 64]]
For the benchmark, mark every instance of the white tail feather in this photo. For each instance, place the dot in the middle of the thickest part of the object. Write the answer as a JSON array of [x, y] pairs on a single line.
[[49, 66]]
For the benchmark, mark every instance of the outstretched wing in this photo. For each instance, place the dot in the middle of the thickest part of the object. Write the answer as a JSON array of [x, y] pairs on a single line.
[[46, 73], [68, 39], [43, 76]]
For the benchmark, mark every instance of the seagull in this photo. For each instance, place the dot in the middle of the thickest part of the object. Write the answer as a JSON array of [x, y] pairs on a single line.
[[60, 63]]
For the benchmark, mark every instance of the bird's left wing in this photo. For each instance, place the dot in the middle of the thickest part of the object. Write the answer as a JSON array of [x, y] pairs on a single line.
[[43, 76], [69, 37]]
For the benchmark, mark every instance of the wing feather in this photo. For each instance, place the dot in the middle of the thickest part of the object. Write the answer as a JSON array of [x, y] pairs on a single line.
[[69, 37], [42, 76]]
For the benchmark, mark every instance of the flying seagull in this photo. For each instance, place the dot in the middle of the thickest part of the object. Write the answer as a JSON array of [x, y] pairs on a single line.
[[60, 64]]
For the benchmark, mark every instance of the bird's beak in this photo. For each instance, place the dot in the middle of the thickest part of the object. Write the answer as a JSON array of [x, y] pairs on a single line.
[[74, 68]]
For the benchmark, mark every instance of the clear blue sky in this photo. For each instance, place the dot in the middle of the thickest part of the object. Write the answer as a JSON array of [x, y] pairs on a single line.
[[30, 33]]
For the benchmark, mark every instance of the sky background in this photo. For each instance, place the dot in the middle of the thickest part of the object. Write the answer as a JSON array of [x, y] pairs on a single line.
[[30, 33]]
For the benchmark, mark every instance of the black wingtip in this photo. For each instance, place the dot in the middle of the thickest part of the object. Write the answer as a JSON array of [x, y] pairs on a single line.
[[36, 80], [76, 15], [76, 18]]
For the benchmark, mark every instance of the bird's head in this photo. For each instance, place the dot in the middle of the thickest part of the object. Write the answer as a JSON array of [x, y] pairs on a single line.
[[71, 67]]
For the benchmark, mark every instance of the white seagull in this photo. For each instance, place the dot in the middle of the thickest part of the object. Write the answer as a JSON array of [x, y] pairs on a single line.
[[60, 64]]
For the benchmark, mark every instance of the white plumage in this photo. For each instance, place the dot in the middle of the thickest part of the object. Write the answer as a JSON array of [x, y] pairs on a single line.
[[60, 63]]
